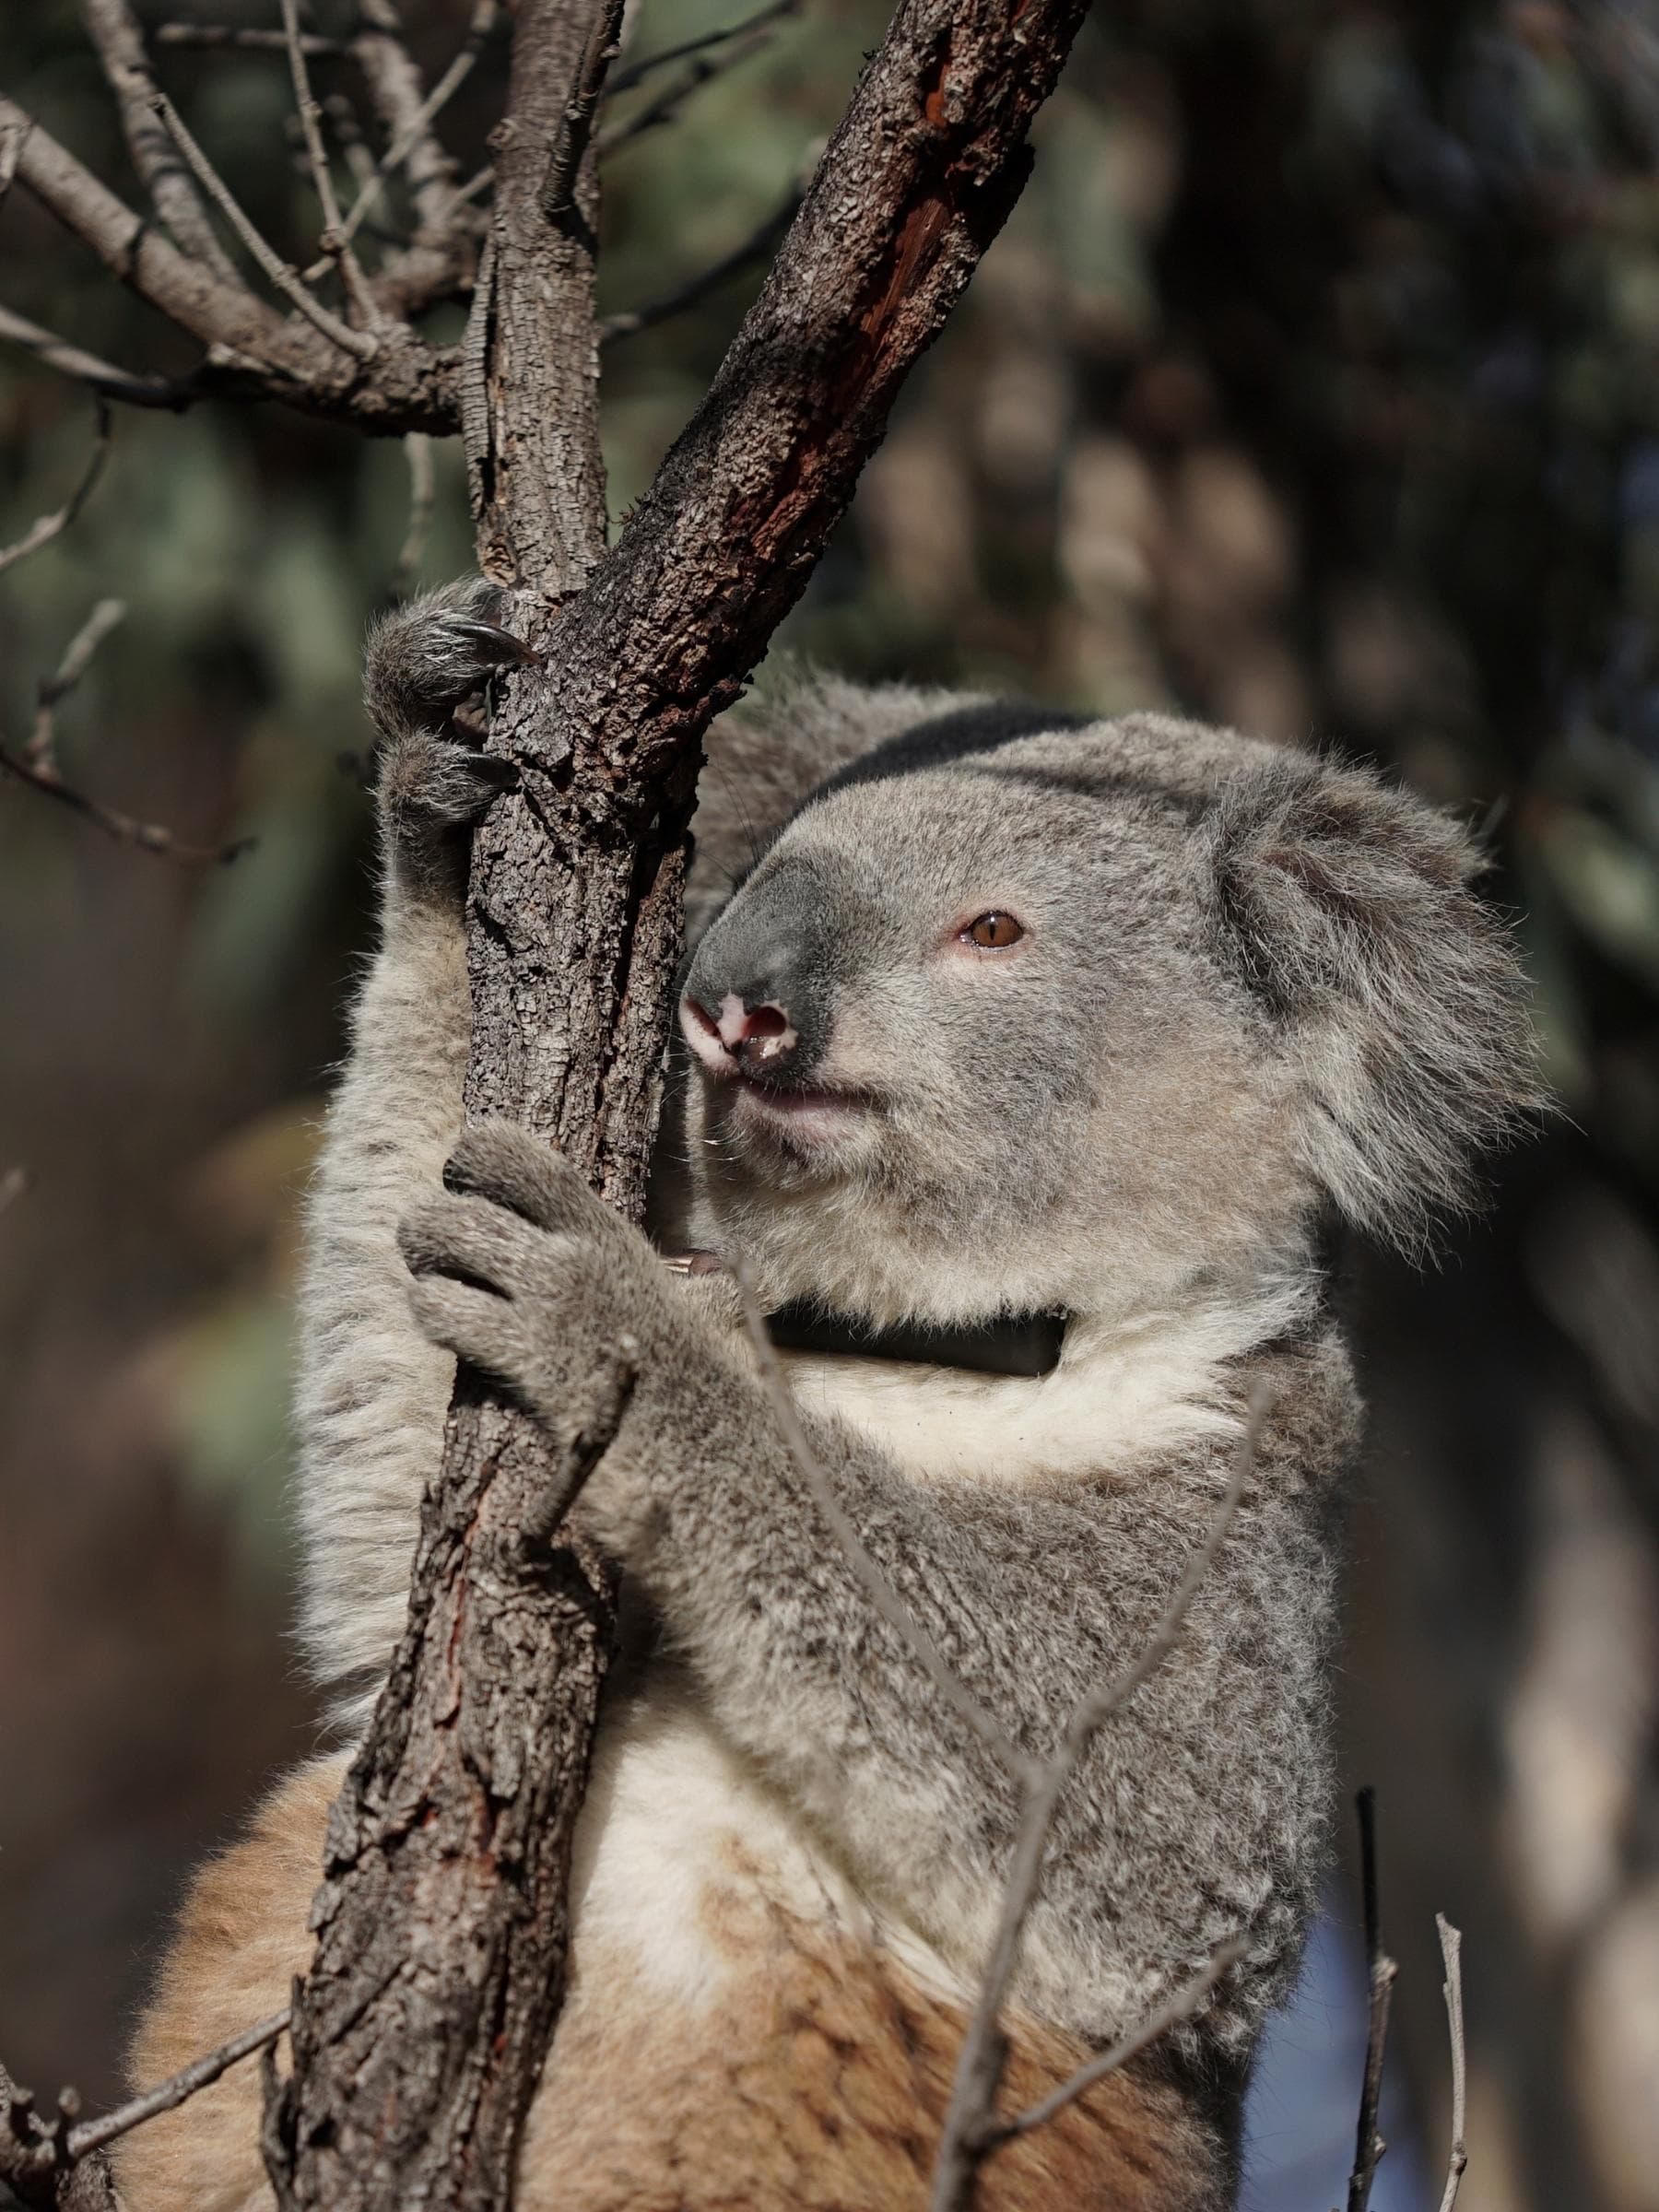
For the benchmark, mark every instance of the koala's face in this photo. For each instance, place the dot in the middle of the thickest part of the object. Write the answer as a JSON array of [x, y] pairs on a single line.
[[1008, 1019], [963, 1043]]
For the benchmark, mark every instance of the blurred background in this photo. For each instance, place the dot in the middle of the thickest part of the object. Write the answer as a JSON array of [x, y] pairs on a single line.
[[1314, 386]]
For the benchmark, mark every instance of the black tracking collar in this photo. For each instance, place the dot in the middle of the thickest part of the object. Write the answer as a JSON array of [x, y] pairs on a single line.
[[1016, 1344]]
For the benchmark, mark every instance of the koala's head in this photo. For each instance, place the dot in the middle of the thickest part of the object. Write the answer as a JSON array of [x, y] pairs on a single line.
[[1014, 1013]]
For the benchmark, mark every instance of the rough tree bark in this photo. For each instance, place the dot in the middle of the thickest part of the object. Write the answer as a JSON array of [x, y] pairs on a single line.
[[418, 2034]]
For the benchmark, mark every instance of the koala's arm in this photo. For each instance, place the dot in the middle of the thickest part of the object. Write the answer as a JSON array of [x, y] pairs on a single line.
[[371, 1388], [1196, 1815]]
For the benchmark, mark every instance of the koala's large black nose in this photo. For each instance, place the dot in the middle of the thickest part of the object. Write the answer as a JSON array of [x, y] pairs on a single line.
[[758, 999]]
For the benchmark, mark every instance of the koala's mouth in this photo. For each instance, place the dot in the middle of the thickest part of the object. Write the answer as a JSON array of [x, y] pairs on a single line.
[[803, 1116]]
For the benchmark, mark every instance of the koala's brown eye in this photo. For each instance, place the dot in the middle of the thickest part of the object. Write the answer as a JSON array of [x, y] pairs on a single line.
[[994, 931]]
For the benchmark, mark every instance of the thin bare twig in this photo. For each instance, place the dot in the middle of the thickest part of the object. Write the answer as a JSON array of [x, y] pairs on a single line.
[[12, 136], [92, 2135], [877, 1587], [42, 749], [985, 2048], [396, 89], [575, 125], [484, 15], [49, 526], [226, 37], [114, 31], [635, 73], [739, 42], [175, 393], [1450, 1943], [1381, 1971], [1181, 2006], [37, 764], [58, 2163], [753, 248], [282, 273], [417, 451], [336, 240]]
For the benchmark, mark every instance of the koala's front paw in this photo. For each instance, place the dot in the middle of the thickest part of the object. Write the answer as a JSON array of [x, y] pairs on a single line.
[[422, 662], [522, 1272], [426, 657]]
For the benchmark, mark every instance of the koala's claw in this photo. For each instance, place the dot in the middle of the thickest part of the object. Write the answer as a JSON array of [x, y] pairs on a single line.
[[430, 785], [422, 660], [493, 644]]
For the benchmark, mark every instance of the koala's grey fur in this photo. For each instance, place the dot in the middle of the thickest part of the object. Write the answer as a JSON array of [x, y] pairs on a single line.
[[1255, 986]]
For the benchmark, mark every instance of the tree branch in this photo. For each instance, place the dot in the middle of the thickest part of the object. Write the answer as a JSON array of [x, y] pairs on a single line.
[[103, 377], [361, 344], [59, 2165], [731, 45], [1381, 1971], [1181, 2006], [49, 526], [114, 31], [484, 15], [1457, 2159], [456, 1819], [251, 348], [37, 765], [635, 73], [753, 248], [570, 140], [336, 240]]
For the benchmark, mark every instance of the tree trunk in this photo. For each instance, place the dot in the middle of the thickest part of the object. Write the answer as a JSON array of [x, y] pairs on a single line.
[[442, 1928]]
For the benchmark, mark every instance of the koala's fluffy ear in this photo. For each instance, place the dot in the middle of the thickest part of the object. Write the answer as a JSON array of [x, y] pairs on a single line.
[[1346, 905], [767, 754]]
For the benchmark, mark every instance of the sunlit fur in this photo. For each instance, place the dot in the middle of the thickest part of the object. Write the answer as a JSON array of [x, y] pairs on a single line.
[[1254, 988]]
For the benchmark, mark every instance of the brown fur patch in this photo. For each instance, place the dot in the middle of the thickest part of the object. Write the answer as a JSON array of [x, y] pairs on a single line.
[[241, 1939], [815, 2080]]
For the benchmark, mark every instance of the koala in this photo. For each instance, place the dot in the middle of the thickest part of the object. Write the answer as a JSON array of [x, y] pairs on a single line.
[[1026, 1062]]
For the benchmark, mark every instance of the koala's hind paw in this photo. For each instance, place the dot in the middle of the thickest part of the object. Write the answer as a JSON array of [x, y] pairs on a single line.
[[422, 660]]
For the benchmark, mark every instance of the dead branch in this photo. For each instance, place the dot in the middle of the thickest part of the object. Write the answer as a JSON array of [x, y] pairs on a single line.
[[453, 1828], [753, 249], [484, 15], [58, 2164], [735, 45], [970, 2121], [114, 31], [634, 73], [1381, 1970], [396, 87], [1450, 1943], [251, 350], [37, 764], [175, 393], [94, 2134], [335, 242], [42, 749], [11, 146], [225, 38], [1181, 2006], [423, 488], [575, 125], [282, 273], [48, 526]]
